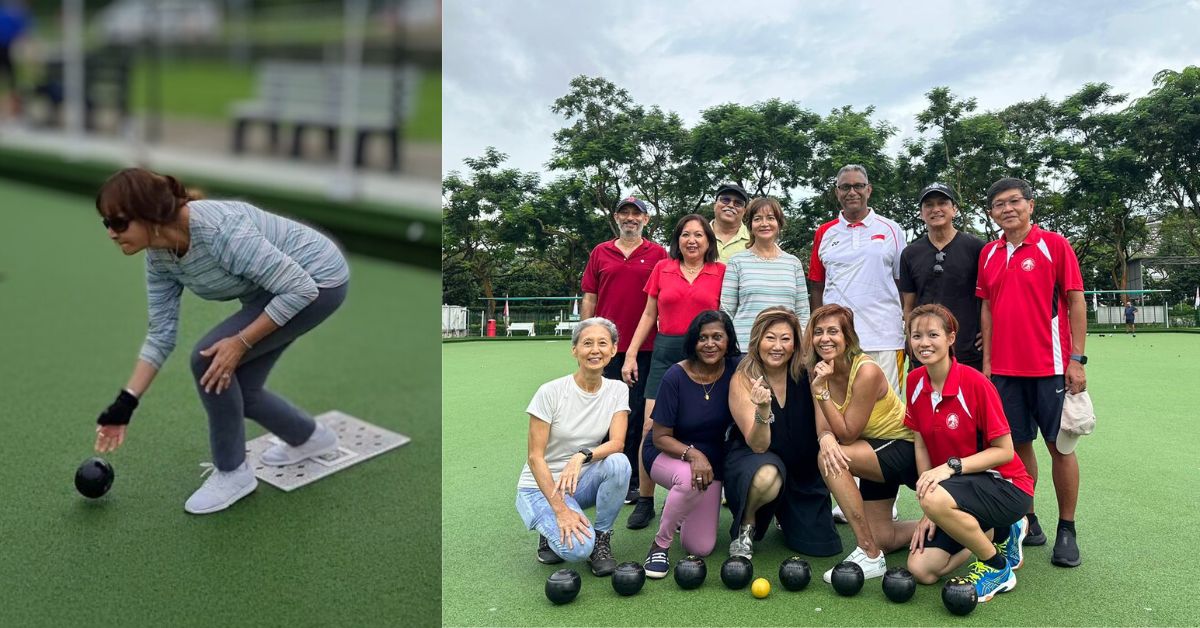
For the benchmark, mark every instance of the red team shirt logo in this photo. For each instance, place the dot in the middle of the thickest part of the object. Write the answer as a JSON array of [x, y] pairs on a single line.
[[952, 421], [1027, 265]]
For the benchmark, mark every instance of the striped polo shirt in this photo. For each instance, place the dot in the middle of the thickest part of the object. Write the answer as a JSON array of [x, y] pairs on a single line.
[[236, 252], [752, 284]]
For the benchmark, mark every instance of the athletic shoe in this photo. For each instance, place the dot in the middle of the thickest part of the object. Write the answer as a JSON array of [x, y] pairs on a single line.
[[323, 441], [545, 554], [1011, 547], [838, 515], [642, 513], [1066, 551], [657, 562], [743, 545], [1034, 535], [221, 490], [632, 495], [895, 513], [872, 567], [989, 582], [601, 561]]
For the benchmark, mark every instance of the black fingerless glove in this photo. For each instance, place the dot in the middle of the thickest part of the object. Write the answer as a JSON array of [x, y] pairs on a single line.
[[120, 411]]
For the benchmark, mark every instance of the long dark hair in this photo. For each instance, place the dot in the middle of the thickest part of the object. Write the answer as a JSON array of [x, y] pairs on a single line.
[[139, 194], [693, 334], [710, 255]]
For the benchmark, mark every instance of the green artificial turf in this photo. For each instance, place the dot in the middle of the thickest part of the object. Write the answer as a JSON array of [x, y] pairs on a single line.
[[1137, 518], [358, 548]]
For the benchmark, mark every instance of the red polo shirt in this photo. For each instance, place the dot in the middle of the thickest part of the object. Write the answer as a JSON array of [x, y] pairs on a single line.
[[949, 423], [679, 301], [1026, 288], [618, 282]]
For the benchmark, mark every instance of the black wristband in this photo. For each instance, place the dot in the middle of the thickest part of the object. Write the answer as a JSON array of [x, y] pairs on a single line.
[[120, 411]]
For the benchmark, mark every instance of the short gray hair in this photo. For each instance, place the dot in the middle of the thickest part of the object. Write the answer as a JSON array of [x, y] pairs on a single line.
[[852, 168], [591, 322]]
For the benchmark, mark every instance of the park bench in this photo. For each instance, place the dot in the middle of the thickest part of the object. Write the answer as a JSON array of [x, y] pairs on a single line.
[[304, 96], [565, 326], [525, 327]]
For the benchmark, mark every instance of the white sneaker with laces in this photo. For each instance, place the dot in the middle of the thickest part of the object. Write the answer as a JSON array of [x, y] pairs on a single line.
[[872, 567], [323, 441], [838, 515], [221, 490]]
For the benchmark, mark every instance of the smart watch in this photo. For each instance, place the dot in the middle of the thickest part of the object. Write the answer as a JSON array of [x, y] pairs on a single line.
[[1080, 358], [955, 465], [587, 455]]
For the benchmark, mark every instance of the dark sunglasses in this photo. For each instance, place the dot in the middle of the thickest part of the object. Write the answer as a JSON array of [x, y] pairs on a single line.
[[939, 258], [116, 223]]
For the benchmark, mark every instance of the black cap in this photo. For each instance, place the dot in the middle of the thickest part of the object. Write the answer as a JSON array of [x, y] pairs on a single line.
[[940, 188], [631, 200], [732, 187]]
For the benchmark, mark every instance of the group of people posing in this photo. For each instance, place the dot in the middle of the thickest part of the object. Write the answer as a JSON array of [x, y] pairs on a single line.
[[724, 371]]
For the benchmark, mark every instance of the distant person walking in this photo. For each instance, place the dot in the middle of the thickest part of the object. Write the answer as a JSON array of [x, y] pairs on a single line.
[[14, 24], [1131, 318], [289, 278]]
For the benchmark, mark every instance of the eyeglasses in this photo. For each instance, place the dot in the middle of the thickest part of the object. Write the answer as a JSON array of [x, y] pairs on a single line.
[[116, 223], [729, 200], [939, 258], [857, 187], [1012, 202]]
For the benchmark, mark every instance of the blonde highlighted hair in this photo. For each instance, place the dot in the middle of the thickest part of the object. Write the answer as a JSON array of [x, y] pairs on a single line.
[[845, 320], [752, 365]]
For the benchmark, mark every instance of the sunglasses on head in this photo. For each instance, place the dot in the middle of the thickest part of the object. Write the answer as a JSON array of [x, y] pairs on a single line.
[[939, 258], [116, 223]]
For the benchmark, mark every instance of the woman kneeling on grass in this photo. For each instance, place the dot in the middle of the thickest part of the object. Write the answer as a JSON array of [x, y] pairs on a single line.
[[967, 489], [685, 451], [860, 422], [771, 464], [288, 277], [571, 466]]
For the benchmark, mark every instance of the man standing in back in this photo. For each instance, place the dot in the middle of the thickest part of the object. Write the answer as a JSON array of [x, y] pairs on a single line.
[[729, 206]]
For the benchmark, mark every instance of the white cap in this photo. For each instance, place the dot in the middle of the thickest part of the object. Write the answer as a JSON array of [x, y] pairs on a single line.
[[1078, 419]]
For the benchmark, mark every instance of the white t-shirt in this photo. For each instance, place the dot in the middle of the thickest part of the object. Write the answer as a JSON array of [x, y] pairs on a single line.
[[577, 419]]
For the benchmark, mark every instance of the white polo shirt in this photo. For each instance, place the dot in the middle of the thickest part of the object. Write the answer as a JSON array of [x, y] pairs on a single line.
[[860, 263]]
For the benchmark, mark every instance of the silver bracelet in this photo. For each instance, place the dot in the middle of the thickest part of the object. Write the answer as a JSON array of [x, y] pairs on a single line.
[[244, 341]]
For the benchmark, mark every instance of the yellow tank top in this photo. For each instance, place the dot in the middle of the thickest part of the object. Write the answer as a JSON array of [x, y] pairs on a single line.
[[887, 417]]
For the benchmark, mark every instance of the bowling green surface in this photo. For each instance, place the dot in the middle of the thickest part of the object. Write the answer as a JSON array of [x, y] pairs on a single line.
[[1137, 514], [352, 549]]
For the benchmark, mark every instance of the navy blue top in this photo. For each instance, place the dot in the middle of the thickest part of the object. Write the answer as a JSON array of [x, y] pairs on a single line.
[[699, 422]]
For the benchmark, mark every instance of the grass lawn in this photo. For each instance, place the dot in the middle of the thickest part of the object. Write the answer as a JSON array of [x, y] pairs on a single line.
[[1138, 508], [351, 549]]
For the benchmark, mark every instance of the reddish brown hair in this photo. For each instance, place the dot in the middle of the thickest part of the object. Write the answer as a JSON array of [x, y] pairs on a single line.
[[845, 320], [934, 310], [139, 194]]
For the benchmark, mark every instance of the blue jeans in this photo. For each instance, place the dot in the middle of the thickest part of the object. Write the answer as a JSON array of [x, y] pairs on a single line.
[[603, 485]]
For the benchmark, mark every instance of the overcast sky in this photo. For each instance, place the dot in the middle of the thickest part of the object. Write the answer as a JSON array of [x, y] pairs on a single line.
[[505, 62]]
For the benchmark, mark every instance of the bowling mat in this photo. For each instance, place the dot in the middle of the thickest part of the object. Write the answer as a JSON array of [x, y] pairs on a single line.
[[357, 441]]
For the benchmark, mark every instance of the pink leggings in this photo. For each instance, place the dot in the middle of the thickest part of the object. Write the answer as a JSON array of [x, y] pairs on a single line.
[[693, 511]]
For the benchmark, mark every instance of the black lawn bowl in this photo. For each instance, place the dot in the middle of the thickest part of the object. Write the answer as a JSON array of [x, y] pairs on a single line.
[[562, 586], [794, 573], [94, 477], [737, 572], [690, 572], [959, 596], [847, 578], [899, 585], [628, 578]]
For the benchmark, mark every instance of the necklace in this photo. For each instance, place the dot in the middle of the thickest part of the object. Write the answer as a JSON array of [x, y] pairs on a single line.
[[708, 389], [690, 270]]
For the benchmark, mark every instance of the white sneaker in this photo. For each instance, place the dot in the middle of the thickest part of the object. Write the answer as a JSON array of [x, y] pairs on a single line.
[[323, 441], [872, 567], [838, 515], [221, 490], [895, 513]]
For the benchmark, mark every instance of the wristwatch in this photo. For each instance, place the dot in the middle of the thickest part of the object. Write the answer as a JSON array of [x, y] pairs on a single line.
[[1080, 358], [767, 421], [955, 465], [587, 455], [823, 395]]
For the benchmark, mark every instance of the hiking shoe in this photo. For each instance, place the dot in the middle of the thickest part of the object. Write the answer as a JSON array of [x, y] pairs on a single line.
[[632, 495], [642, 513], [1011, 547], [838, 515], [221, 490], [657, 562], [872, 567], [989, 582], [1034, 534], [323, 441], [743, 545], [545, 554], [601, 561], [1066, 552]]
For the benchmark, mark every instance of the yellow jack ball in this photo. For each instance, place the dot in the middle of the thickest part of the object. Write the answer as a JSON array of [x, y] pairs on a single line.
[[760, 588]]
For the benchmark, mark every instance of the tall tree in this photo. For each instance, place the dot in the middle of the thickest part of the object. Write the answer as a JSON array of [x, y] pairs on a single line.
[[1165, 124]]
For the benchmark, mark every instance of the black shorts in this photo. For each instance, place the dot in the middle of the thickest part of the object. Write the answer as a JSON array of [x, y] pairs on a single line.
[[667, 351], [637, 405], [897, 462], [1032, 403], [993, 501], [802, 508]]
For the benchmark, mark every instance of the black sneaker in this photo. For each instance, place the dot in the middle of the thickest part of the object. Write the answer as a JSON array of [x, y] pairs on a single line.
[[1066, 552], [545, 555], [632, 496], [601, 561], [1034, 536], [642, 513]]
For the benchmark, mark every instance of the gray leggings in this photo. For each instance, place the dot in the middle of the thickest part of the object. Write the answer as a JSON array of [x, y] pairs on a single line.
[[246, 396]]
